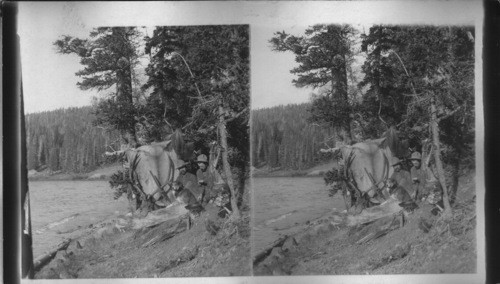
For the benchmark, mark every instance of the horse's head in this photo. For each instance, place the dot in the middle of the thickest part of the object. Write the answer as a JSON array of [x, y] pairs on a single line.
[[183, 148], [341, 152]]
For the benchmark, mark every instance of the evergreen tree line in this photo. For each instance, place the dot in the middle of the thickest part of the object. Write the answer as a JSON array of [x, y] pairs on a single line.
[[66, 140], [282, 137]]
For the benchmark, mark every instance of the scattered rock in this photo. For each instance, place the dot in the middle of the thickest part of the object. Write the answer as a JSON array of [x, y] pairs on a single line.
[[322, 229], [337, 219], [289, 244], [276, 252], [269, 262]]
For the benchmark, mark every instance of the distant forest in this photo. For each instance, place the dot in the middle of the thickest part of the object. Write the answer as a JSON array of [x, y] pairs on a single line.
[[282, 137], [66, 140]]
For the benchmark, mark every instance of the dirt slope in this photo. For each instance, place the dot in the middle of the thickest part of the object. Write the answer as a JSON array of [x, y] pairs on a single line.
[[107, 252], [327, 247]]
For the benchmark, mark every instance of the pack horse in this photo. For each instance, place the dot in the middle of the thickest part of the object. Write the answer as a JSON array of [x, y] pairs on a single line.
[[365, 167], [153, 167]]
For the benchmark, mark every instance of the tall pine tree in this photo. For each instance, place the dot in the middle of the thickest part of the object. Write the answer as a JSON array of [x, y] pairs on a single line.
[[109, 56], [325, 54]]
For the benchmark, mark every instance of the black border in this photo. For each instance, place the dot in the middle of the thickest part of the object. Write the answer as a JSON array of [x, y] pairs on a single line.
[[11, 144], [491, 104]]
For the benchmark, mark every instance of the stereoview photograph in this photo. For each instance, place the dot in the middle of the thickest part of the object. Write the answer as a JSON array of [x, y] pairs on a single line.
[[375, 172], [150, 177]]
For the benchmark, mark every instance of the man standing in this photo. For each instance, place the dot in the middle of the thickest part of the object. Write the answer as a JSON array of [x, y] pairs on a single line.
[[205, 179], [402, 177]]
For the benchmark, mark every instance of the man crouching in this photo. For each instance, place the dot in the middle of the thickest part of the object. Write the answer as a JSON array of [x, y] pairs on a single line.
[[399, 193]]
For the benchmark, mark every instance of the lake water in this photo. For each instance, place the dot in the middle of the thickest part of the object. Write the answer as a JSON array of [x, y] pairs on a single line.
[[63, 209], [282, 206]]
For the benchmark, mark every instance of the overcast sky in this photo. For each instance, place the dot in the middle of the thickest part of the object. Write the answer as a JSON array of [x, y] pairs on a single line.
[[49, 79]]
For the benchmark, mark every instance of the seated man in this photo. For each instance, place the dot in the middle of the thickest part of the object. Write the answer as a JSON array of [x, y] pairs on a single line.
[[188, 179], [186, 197], [401, 176], [398, 192], [205, 179], [425, 184], [418, 176], [214, 192]]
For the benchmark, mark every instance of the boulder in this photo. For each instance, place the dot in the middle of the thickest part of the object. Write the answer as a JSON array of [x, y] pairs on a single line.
[[290, 244], [277, 253]]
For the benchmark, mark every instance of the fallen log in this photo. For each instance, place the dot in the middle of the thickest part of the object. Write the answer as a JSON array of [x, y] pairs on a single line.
[[45, 258], [167, 233], [379, 228], [173, 211], [387, 208], [263, 254]]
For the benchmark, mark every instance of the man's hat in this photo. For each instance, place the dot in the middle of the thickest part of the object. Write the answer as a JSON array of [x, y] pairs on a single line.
[[416, 156], [183, 165], [395, 161], [202, 159]]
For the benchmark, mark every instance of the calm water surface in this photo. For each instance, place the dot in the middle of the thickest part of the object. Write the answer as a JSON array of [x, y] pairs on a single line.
[[62, 209], [283, 205]]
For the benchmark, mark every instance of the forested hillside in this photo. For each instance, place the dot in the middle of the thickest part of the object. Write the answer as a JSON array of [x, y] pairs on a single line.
[[65, 140], [282, 137]]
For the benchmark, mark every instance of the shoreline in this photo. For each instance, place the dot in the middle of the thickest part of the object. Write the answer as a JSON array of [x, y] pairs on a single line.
[[67, 178], [112, 248], [73, 228], [104, 173], [316, 171]]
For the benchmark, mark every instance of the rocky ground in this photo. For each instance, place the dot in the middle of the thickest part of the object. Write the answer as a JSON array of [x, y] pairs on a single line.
[[110, 250], [425, 244]]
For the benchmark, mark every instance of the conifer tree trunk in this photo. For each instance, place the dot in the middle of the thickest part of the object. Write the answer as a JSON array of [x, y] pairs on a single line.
[[225, 163], [455, 173], [340, 96], [437, 157], [40, 152], [458, 151], [343, 84], [124, 95]]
